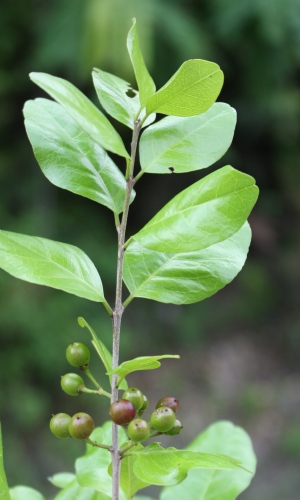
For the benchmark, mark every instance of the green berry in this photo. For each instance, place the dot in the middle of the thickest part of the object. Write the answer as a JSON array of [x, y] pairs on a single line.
[[70, 383], [81, 426], [78, 354], [163, 419], [170, 402], [145, 404], [177, 427], [122, 412], [135, 396], [138, 430], [59, 425]]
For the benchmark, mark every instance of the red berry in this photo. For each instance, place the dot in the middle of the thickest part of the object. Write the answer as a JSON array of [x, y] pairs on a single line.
[[170, 402], [122, 412]]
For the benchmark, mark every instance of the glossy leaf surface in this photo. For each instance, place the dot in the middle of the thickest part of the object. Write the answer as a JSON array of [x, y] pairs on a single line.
[[50, 263], [184, 278], [102, 350], [62, 479], [191, 90], [221, 437], [76, 492], [205, 213], [4, 491], [112, 94], [187, 144], [92, 468], [25, 493], [84, 112], [145, 83], [168, 466], [70, 158]]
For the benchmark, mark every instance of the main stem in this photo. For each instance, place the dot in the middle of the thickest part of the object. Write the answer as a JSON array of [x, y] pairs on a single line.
[[118, 310]]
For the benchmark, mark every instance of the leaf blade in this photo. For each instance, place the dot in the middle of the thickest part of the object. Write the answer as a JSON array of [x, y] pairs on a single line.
[[50, 263], [4, 490], [82, 110]]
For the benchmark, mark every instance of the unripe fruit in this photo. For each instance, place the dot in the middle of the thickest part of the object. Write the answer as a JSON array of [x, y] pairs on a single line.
[[138, 430], [170, 402], [163, 419], [145, 404], [122, 412], [59, 425], [70, 383], [78, 354], [81, 426], [177, 427], [135, 396]]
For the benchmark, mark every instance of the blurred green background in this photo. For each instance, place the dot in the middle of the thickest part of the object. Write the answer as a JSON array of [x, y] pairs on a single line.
[[240, 350]]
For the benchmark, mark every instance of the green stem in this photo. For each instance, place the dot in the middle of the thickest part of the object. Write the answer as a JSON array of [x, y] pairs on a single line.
[[117, 223], [107, 307], [127, 301], [99, 445], [99, 392], [87, 371], [126, 448], [139, 175]]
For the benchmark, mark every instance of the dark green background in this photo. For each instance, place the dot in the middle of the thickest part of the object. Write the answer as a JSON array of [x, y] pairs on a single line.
[[239, 350]]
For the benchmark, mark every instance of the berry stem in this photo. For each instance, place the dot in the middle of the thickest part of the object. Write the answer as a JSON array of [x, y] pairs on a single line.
[[99, 392], [126, 448], [99, 445]]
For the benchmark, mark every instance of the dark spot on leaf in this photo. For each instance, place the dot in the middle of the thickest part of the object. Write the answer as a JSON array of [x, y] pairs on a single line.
[[171, 169]]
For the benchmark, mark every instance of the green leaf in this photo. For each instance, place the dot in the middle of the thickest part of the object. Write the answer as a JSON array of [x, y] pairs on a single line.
[[4, 491], [221, 437], [166, 467], [145, 83], [187, 144], [70, 158], [62, 479], [50, 263], [102, 350], [84, 112], [205, 213], [191, 90], [129, 482], [112, 94], [92, 468], [75, 491], [185, 278], [139, 364], [25, 493]]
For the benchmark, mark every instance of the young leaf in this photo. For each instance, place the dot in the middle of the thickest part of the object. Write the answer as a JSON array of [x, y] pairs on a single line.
[[191, 90], [102, 350], [70, 158], [24, 493], [84, 112], [184, 278], [74, 491], [62, 479], [92, 468], [4, 491], [145, 83], [139, 364], [177, 144], [205, 213], [50, 263], [221, 437], [166, 467]]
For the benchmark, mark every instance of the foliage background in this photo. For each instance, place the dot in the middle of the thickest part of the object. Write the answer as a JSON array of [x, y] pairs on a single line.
[[240, 349]]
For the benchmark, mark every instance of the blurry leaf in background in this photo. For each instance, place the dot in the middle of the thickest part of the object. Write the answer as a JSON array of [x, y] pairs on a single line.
[[25, 493], [4, 491]]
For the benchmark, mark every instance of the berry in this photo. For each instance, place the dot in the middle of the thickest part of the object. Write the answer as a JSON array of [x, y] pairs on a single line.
[[122, 412], [81, 426], [70, 383], [177, 427], [138, 430], [78, 354], [163, 419], [59, 425], [170, 402], [135, 396], [145, 405]]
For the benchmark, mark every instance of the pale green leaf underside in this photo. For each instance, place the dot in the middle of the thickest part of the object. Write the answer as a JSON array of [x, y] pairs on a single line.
[[76, 492], [191, 90], [92, 468], [62, 479], [102, 350], [70, 158], [4, 491], [145, 83], [84, 112], [50, 263], [25, 493], [184, 278], [139, 364], [112, 94], [160, 466], [205, 213], [221, 437], [184, 144]]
